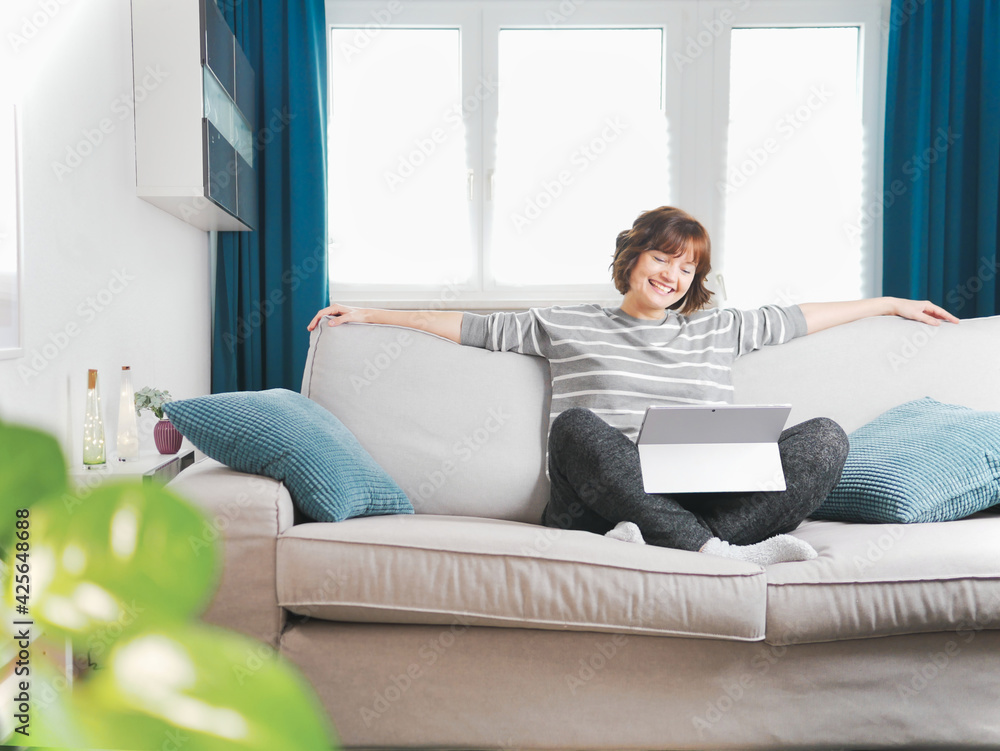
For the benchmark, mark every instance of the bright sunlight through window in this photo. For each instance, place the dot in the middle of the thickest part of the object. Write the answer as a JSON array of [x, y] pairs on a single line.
[[793, 186], [582, 148], [399, 210]]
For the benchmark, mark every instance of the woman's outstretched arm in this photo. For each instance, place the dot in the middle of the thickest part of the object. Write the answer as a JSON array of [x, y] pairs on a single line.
[[825, 315], [444, 323]]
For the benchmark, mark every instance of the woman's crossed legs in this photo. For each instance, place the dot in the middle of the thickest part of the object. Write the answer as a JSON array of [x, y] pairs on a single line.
[[597, 483]]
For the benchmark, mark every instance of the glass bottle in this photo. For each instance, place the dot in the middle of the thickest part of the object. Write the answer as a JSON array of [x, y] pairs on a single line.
[[93, 427], [128, 431]]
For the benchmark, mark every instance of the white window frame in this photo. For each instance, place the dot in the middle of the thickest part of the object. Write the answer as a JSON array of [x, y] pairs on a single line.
[[695, 95]]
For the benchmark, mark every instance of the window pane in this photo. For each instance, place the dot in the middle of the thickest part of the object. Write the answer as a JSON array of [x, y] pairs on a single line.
[[794, 167], [399, 210], [581, 150]]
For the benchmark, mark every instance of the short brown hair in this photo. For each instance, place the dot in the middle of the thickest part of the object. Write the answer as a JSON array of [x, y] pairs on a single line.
[[670, 231]]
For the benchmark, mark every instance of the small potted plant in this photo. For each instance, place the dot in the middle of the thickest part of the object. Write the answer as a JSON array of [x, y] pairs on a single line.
[[165, 435]]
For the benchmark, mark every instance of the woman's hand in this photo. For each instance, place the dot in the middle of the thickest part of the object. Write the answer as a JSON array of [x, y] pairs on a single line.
[[341, 313], [921, 310]]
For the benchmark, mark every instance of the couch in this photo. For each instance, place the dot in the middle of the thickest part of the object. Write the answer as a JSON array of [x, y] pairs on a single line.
[[469, 625]]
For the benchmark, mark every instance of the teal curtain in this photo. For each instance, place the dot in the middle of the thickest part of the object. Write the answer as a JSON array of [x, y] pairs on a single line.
[[270, 282], [942, 154]]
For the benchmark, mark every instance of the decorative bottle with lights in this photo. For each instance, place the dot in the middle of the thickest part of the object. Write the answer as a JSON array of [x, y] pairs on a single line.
[[128, 431], [94, 455]]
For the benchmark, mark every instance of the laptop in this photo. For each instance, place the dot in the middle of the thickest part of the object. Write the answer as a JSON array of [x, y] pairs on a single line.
[[712, 449]]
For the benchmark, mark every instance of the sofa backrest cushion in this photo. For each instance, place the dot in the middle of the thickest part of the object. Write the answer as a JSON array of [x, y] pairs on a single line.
[[463, 430], [855, 372]]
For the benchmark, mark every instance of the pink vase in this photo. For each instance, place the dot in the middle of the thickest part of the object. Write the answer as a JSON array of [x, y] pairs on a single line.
[[166, 437]]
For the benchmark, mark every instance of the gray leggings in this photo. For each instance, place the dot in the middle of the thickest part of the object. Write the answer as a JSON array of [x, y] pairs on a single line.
[[596, 483]]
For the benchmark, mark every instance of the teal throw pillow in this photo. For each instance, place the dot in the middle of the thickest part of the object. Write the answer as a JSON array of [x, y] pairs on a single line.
[[922, 461], [284, 435]]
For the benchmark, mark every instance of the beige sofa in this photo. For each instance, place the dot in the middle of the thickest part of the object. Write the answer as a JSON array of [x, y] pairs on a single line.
[[468, 625]]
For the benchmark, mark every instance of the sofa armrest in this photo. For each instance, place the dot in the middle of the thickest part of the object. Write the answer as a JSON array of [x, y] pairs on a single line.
[[248, 512]]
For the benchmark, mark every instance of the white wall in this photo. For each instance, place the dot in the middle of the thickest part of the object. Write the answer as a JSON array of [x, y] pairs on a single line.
[[109, 280]]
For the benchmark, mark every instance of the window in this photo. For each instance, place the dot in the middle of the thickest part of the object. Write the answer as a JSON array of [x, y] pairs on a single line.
[[397, 162], [793, 166], [578, 110], [486, 154]]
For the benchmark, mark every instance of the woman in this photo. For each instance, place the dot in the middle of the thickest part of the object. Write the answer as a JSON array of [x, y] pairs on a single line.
[[660, 346]]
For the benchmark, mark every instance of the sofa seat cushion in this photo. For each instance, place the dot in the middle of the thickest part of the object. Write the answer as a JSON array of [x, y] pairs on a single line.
[[883, 579], [439, 569]]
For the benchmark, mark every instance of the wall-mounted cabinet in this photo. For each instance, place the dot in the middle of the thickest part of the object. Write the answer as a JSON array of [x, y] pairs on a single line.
[[194, 115]]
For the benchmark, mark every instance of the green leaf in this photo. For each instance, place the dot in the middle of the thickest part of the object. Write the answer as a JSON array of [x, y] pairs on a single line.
[[31, 468], [124, 558], [151, 399], [204, 689]]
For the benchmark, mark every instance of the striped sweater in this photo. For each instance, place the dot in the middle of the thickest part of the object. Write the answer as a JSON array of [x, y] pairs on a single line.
[[616, 365]]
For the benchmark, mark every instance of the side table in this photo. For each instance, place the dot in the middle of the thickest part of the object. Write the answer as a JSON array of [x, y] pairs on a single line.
[[151, 467]]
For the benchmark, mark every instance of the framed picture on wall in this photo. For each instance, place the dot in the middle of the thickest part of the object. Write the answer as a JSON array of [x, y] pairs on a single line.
[[11, 261]]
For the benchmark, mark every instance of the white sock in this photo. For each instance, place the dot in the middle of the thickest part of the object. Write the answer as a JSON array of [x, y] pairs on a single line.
[[777, 549], [626, 532]]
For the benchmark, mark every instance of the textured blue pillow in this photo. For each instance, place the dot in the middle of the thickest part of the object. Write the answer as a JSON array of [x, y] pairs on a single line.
[[922, 461], [289, 437]]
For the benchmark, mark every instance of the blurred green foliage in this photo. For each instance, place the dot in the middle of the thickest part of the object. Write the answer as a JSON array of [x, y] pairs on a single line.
[[115, 574], [32, 469], [118, 561]]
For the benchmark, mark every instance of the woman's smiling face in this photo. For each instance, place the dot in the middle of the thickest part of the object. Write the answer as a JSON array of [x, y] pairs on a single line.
[[658, 281]]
